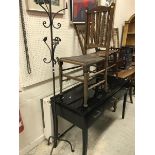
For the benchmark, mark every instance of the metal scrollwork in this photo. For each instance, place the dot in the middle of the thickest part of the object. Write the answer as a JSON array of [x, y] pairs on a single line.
[[45, 59], [46, 9], [59, 24], [44, 24], [55, 41]]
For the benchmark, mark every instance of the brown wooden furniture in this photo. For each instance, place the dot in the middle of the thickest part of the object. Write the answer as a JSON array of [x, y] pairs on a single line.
[[128, 42], [128, 35], [113, 51], [128, 74], [124, 72], [98, 29], [125, 58], [124, 68]]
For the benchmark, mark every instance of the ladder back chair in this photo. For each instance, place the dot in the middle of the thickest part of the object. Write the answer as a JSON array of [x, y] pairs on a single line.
[[95, 37], [98, 29], [126, 68]]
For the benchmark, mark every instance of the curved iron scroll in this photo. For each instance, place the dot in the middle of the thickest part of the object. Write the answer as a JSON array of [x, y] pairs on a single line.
[[55, 41]]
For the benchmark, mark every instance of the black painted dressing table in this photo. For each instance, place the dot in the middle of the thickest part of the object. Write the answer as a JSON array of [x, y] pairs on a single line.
[[70, 107]]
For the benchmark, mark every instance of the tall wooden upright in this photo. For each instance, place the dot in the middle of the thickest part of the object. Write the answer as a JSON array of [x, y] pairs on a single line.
[[128, 35]]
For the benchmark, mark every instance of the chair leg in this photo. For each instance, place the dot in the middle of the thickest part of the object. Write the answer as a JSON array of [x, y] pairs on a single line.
[[133, 90], [115, 106], [86, 76], [130, 92], [60, 76]]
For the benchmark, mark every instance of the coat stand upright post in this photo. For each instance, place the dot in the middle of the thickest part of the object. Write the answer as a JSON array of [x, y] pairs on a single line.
[[46, 5]]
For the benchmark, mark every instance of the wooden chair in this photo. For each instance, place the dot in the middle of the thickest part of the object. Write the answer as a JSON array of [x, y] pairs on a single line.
[[98, 29], [126, 67], [124, 59], [100, 51], [128, 51]]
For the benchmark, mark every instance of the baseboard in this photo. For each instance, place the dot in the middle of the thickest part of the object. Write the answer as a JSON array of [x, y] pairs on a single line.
[[31, 145]]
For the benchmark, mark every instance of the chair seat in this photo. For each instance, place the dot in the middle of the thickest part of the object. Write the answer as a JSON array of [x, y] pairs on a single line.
[[126, 73], [83, 60]]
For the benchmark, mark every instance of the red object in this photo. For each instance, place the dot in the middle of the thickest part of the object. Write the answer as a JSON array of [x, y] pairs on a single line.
[[21, 125], [79, 6]]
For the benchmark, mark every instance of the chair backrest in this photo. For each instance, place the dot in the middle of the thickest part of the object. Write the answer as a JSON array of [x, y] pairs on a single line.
[[99, 21], [115, 38]]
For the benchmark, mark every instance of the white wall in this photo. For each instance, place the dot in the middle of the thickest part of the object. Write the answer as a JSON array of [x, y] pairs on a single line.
[[30, 106], [124, 10]]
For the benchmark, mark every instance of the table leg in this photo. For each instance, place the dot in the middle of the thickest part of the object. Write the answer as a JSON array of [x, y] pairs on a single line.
[[124, 104], [55, 125], [85, 141]]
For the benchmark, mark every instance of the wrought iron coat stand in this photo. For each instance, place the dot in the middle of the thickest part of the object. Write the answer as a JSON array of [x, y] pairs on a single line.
[[52, 47]]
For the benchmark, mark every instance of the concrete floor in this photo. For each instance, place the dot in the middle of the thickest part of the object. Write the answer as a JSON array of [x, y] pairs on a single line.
[[110, 135]]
